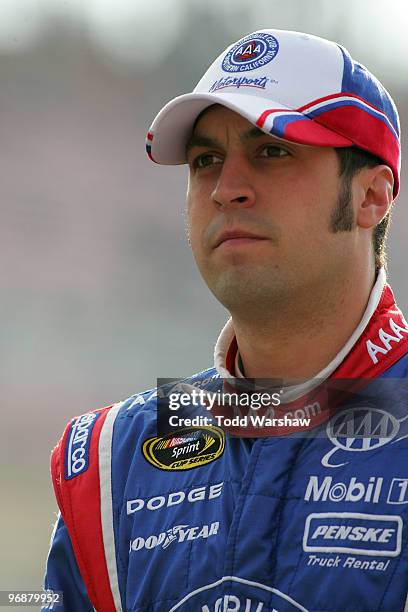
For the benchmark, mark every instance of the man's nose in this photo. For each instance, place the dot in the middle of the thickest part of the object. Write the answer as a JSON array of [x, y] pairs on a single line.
[[234, 186]]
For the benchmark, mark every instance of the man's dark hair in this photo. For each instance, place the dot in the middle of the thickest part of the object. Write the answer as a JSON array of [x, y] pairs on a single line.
[[352, 160]]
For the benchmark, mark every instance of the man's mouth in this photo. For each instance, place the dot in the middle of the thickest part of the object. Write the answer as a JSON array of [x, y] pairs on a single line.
[[237, 238]]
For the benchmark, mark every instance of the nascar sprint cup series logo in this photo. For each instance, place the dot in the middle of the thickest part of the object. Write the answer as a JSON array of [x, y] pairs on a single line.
[[251, 52], [185, 449]]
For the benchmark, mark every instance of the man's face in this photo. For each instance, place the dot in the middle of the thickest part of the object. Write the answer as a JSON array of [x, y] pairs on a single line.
[[259, 213]]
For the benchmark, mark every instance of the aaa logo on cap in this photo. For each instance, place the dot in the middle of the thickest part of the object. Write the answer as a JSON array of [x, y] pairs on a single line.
[[250, 53], [186, 449]]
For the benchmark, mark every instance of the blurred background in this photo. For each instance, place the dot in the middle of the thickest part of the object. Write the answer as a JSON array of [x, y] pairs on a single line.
[[99, 293]]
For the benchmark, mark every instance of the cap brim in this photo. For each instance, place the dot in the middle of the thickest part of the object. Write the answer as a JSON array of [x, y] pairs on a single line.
[[172, 127]]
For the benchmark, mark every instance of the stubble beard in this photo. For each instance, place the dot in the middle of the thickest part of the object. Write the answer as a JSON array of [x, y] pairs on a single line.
[[249, 288]]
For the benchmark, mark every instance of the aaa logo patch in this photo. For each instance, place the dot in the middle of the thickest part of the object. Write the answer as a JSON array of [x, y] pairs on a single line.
[[185, 449], [250, 53]]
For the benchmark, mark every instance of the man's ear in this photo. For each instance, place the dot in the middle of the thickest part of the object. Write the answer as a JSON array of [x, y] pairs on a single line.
[[375, 195]]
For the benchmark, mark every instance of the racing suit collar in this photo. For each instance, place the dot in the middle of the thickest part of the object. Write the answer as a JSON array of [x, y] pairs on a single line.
[[227, 358]]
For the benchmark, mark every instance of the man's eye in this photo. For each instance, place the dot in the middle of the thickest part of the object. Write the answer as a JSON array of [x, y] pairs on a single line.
[[271, 150], [205, 160]]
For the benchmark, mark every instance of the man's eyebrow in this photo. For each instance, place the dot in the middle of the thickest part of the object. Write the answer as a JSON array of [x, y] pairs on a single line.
[[254, 132], [199, 140]]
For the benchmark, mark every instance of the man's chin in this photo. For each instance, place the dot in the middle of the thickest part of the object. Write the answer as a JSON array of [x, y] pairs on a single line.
[[245, 289]]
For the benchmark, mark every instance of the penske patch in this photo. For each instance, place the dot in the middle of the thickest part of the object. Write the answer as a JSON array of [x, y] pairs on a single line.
[[185, 449], [357, 533]]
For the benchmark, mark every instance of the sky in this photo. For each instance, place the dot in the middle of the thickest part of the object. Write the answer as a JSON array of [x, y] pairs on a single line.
[[141, 34]]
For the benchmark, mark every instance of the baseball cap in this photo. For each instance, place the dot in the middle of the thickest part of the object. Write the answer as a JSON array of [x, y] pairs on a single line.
[[295, 86]]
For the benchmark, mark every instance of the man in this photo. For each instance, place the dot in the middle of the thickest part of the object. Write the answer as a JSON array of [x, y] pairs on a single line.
[[293, 153]]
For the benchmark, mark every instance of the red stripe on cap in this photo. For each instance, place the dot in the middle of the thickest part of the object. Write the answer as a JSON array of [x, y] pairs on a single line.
[[369, 133], [308, 131], [262, 118], [342, 95], [305, 130]]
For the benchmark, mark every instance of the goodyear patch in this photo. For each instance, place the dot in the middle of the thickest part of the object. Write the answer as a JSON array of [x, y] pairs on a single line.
[[185, 449]]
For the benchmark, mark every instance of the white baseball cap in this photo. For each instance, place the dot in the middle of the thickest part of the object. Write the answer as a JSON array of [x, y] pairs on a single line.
[[295, 86]]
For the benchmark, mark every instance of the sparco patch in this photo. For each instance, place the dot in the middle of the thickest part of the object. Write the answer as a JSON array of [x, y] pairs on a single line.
[[186, 449], [77, 447], [252, 52]]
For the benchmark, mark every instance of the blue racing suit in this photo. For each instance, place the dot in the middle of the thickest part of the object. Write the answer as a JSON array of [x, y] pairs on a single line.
[[205, 521]]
